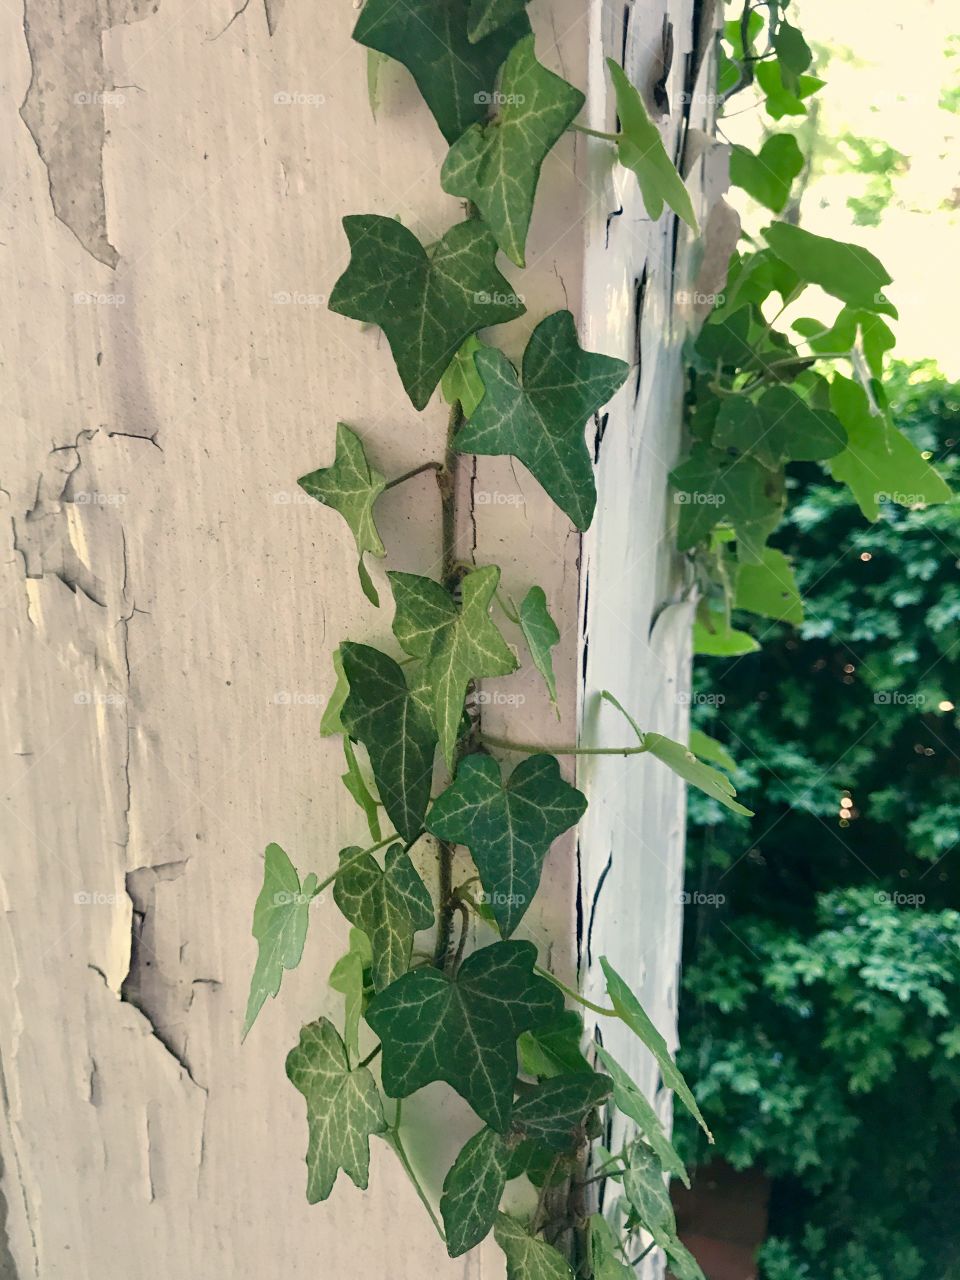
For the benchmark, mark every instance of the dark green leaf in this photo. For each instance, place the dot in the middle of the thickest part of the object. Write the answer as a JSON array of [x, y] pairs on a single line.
[[343, 1109], [791, 48], [554, 1049], [472, 1191], [464, 1029], [632, 1102], [390, 904], [555, 1112], [769, 588], [426, 304], [541, 634], [542, 422], [647, 1193], [392, 723], [724, 341], [455, 76], [768, 176], [742, 492], [508, 827], [848, 271], [457, 645], [527, 1257], [280, 920], [779, 427], [351, 486], [497, 165], [487, 16]]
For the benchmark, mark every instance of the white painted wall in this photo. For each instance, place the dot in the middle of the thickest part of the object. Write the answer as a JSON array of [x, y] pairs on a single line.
[[169, 604]]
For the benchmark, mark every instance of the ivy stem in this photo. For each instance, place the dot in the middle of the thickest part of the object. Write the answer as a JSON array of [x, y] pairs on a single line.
[[355, 857], [464, 911], [575, 995], [595, 133], [532, 748], [417, 471], [370, 1057], [397, 1144]]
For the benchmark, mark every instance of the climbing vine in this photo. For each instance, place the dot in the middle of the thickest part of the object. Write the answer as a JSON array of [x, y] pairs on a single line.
[[492, 1022]]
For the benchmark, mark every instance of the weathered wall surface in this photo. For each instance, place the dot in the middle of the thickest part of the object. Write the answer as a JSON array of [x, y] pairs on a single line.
[[174, 183]]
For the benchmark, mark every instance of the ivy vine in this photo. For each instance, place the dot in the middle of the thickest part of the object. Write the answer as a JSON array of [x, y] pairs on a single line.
[[492, 1022]]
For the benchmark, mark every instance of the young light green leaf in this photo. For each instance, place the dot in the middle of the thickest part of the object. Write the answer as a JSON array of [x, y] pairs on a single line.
[[714, 635], [605, 1256], [392, 723], [426, 304], [780, 97], [507, 826], [356, 784], [742, 492], [630, 1010], [457, 645], [461, 380], [455, 76], [497, 165], [768, 175], [280, 919], [375, 64], [681, 1263], [541, 634], [707, 748], [330, 722], [487, 16], [351, 486], [343, 1109], [472, 1191], [781, 426], [542, 422], [390, 904], [847, 271], [686, 765], [554, 1049], [769, 588], [464, 1029], [879, 462], [555, 1112], [647, 1193], [640, 148], [346, 976], [527, 1257], [633, 1103]]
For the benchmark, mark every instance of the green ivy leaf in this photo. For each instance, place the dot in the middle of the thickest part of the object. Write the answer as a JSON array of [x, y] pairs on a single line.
[[555, 1112], [879, 461], [427, 304], [351, 486], [707, 748], [280, 919], [527, 1257], [356, 785], [640, 149], [681, 1262], [455, 76], [847, 271], [487, 16], [541, 634], [769, 588], [768, 175], [713, 634], [633, 1103], [508, 827], [330, 722], [472, 1191], [779, 427], [686, 765], [347, 977], [461, 380], [554, 1049], [457, 645], [782, 99], [463, 1029], [390, 904], [740, 491], [343, 1109], [647, 1194], [605, 1252], [630, 1010], [542, 422], [497, 165], [791, 48], [395, 727]]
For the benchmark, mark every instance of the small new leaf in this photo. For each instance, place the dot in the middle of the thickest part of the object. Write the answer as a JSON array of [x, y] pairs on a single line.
[[347, 977], [541, 634], [426, 304], [542, 422], [508, 827], [472, 1191], [280, 919], [351, 486], [702, 776], [647, 1193], [632, 1102], [454, 72], [768, 175], [390, 904], [457, 645], [381, 712], [527, 1257], [461, 381], [640, 149], [497, 165], [464, 1029], [769, 589], [343, 1109]]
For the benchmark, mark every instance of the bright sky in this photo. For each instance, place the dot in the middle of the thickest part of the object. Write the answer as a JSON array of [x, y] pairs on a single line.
[[889, 67]]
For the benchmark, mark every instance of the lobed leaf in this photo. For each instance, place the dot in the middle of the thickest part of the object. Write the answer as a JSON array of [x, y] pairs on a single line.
[[527, 1257], [280, 919], [541, 634], [390, 904]]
